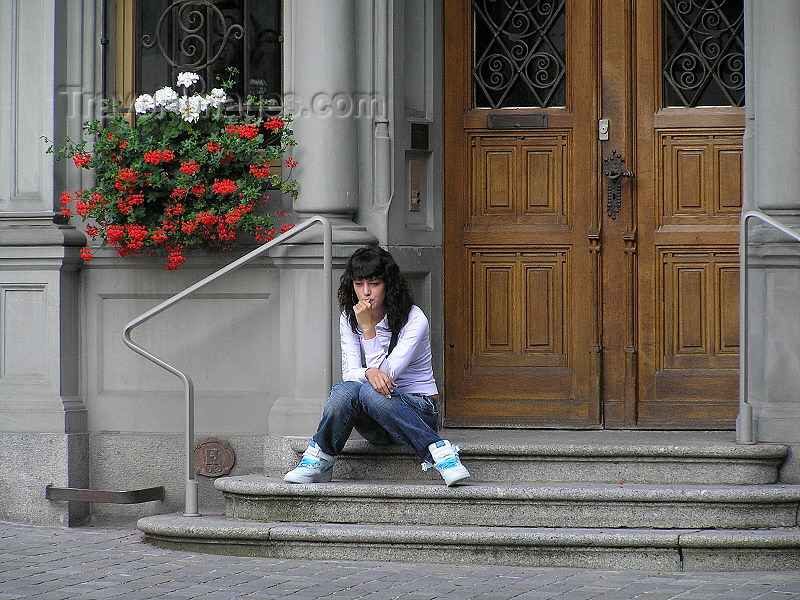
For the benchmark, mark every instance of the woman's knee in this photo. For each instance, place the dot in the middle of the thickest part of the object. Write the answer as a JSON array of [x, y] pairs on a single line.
[[371, 399], [343, 395]]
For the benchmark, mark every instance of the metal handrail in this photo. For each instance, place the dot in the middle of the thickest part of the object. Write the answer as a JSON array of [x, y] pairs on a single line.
[[191, 482], [744, 423]]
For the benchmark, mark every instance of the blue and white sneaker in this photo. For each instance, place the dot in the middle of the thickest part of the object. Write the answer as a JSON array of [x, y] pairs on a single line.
[[314, 467], [446, 461]]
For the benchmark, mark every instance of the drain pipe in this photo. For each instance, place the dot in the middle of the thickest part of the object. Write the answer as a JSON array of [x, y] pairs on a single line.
[[744, 422]]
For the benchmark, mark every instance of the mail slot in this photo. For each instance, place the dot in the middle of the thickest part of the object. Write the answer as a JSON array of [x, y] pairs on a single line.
[[535, 121]]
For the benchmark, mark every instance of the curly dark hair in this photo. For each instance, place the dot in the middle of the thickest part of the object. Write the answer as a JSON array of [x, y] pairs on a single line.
[[374, 261]]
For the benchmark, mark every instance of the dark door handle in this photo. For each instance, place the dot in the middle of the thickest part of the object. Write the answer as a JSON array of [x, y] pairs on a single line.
[[615, 173]]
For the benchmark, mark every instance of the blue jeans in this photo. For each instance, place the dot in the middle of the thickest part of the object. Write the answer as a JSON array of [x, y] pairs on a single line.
[[406, 419]]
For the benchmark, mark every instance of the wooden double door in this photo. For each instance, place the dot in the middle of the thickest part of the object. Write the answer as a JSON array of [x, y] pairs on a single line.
[[592, 196]]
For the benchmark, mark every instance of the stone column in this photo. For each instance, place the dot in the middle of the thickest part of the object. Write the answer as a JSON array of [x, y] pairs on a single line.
[[772, 185], [321, 90], [46, 62], [322, 95]]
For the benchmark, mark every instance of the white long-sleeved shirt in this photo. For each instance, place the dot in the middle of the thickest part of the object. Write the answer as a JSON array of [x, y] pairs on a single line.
[[409, 364]]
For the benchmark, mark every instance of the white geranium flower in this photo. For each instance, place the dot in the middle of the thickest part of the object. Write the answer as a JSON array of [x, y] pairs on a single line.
[[202, 102], [144, 103], [167, 98], [191, 108], [187, 79], [217, 97]]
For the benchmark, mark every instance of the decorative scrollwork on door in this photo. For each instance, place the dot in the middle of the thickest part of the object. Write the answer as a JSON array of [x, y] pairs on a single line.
[[703, 52], [519, 53]]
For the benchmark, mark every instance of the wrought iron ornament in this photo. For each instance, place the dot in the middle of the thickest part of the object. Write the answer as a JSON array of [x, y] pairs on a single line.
[[206, 37], [192, 19], [615, 173], [519, 54], [703, 53]]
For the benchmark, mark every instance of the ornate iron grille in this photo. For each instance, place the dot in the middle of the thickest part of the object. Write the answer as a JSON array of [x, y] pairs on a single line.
[[519, 53], [206, 37], [703, 53]]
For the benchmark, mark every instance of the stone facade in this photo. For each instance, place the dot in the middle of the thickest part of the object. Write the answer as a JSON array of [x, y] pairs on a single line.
[[78, 409]]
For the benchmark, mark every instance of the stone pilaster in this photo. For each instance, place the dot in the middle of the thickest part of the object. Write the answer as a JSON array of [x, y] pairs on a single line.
[[772, 185], [45, 82]]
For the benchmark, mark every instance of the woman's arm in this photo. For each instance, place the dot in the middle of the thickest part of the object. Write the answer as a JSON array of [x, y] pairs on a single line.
[[352, 367], [411, 335]]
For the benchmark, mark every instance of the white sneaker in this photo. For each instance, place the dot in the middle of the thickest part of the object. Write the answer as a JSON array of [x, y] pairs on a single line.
[[314, 467], [446, 461]]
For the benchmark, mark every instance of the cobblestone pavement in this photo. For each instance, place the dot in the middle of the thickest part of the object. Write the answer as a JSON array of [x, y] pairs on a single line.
[[90, 563]]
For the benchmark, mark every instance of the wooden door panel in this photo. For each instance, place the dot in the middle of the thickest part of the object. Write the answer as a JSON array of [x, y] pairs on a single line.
[[523, 342], [688, 201], [519, 180], [496, 173], [518, 309], [727, 310], [697, 311], [688, 262], [702, 178]]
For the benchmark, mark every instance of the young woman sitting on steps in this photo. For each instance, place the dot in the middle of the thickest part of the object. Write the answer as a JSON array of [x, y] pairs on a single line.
[[391, 396]]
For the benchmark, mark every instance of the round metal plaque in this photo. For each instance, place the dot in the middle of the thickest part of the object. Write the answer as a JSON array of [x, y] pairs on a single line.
[[213, 458]]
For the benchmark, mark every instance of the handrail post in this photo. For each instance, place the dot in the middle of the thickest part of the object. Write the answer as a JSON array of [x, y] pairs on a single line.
[[744, 422], [191, 508], [191, 501]]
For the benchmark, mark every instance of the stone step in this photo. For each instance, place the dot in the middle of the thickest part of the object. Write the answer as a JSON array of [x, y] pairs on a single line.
[[568, 456], [631, 499], [521, 504], [644, 549]]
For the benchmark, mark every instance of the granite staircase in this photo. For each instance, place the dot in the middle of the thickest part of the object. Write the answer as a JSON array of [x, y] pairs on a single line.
[[693, 501]]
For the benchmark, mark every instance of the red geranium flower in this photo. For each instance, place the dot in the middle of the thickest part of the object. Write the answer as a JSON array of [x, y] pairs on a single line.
[[127, 175], [226, 186], [81, 160], [247, 131], [115, 234], [189, 228], [190, 167], [82, 208], [260, 170], [175, 210], [274, 124]]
